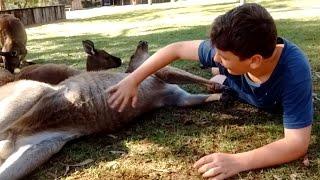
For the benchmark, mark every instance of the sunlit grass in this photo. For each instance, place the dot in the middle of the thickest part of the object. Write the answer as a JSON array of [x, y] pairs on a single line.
[[164, 144]]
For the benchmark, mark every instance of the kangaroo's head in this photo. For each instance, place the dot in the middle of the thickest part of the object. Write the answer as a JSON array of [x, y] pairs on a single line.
[[99, 59], [140, 55], [12, 54]]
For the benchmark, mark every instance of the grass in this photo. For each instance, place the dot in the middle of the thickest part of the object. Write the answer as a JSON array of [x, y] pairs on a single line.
[[165, 143]]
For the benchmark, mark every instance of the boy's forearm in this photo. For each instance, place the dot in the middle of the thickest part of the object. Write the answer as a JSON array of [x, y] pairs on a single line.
[[179, 50], [275, 153], [155, 62]]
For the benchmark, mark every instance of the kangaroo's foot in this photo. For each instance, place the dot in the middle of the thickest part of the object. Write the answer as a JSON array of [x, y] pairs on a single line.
[[31, 151], [6, 149]]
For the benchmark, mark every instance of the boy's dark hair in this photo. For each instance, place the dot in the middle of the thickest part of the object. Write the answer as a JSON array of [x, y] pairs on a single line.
[[245, 30]]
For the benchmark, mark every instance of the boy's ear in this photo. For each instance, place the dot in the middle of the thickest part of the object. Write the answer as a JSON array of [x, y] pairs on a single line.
[[256, 61]]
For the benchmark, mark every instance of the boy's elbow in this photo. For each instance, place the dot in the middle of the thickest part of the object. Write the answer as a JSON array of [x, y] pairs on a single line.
[[298, 140], [299, 146], [303, 147], [301, 150]]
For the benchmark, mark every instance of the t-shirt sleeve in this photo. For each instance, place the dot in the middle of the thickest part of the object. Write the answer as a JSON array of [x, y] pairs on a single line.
[[206, 53], [298, 105]]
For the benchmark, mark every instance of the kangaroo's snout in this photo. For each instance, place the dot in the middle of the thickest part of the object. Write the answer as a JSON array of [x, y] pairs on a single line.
[[143, 45], [10, 65], [118, 61]]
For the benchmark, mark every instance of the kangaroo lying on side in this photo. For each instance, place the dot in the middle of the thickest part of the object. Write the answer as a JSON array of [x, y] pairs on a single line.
[[56, 73], [37, 119]]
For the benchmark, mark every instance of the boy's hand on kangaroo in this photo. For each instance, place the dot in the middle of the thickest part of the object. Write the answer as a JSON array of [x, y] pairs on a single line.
[[121, 94]]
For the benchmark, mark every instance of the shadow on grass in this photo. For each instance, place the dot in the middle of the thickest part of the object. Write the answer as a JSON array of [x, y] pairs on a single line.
[[172, 127]]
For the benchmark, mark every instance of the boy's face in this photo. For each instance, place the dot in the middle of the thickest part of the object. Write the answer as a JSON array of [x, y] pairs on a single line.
[[232, 62]]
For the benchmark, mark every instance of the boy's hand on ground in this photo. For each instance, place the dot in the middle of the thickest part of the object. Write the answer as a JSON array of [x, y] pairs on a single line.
[[218, 166], [123, 93]]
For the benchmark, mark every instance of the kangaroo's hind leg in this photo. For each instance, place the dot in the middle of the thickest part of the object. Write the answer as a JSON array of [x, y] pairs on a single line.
[[175, 96], [19, 97], [174, 75], [31, 151]]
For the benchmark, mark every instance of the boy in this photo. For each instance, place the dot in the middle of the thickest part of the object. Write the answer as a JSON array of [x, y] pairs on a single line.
[[264, 70]]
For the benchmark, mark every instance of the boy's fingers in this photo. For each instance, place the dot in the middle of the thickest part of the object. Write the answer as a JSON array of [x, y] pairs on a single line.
[[212, 172], [123, 104], [134, 101], [116, 103], [203, 160], [221, 176], [112, 89], [206, 167], [113, 97]]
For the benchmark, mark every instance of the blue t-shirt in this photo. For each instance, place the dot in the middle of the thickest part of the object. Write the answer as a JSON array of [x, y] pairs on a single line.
[[288, 90]]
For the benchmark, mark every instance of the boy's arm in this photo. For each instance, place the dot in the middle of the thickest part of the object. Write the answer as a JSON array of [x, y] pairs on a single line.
[[126, 90], [291, 147]]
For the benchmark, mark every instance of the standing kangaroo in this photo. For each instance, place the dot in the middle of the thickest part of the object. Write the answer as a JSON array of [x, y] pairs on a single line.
[[56, 73], [37, 119]]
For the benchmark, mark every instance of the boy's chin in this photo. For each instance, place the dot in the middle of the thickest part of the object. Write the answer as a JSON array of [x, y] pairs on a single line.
[[234, 73]]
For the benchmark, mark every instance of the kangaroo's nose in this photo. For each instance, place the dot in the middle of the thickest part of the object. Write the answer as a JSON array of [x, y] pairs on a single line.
[[143, 43], [118, 62]]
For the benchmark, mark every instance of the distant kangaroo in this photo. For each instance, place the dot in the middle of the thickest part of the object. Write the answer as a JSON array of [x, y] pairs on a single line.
[[37, 119], [13, 39], [56, 73]]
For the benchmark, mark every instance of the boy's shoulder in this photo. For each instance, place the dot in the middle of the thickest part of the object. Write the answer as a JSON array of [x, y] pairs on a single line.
[[293, 63]]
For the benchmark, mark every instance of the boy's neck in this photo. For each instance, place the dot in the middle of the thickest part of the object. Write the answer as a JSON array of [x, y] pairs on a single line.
[[263, 73]]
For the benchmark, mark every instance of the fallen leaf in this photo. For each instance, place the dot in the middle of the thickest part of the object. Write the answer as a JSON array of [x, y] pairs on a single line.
[[113, 165], [306, 161], [277, 177], [112, 136], [117, 152], [66, 171], [85, 162], [164, 170], [293, 176]]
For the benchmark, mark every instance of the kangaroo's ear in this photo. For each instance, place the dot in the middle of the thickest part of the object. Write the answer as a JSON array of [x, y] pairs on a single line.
[[88, 47]]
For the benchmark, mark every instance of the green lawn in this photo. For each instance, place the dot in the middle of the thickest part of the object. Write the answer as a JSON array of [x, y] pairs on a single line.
[[165, 143]]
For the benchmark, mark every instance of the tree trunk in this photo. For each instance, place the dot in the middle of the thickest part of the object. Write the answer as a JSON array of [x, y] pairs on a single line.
[[76, 4], [2, 5]]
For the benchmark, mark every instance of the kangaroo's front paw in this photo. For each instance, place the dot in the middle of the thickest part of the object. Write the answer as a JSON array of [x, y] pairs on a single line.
[[215, 88]]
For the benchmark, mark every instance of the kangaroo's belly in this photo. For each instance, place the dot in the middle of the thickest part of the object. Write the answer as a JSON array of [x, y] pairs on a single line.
[[82, 104]]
